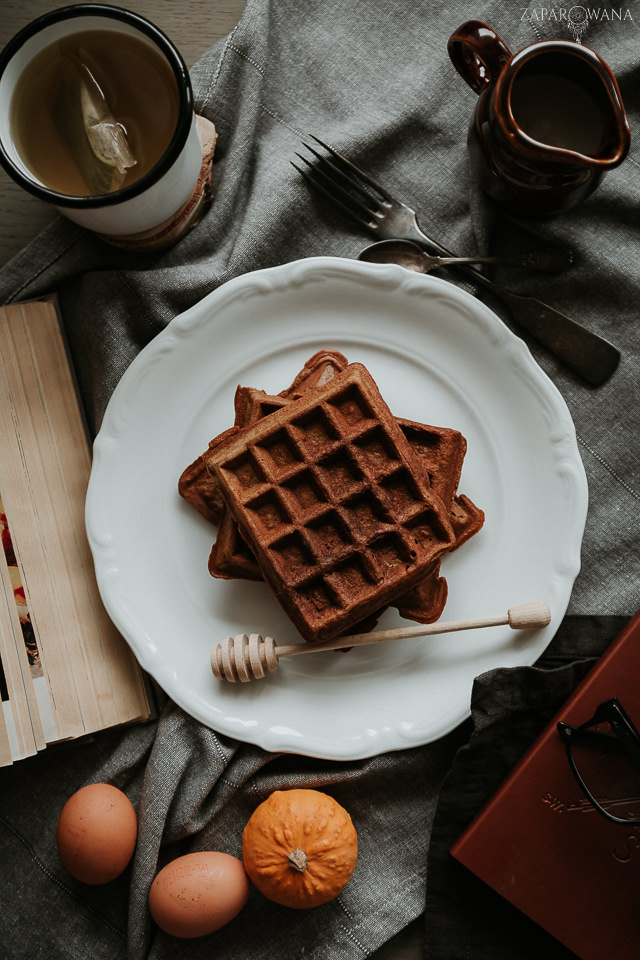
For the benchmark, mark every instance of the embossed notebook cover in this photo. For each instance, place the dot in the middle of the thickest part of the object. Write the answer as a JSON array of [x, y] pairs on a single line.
[[541, 845]]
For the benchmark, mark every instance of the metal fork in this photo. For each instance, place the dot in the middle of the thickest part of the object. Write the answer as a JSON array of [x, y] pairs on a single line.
[[590, 356]]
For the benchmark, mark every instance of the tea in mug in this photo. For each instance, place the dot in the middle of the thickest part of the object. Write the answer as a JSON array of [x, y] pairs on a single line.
[[94, 112]]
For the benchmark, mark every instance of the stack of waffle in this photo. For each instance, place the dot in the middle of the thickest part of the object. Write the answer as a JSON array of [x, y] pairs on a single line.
[[342, 508]]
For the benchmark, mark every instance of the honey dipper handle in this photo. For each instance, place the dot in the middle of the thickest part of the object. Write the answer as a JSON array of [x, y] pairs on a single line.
[[523, 617]]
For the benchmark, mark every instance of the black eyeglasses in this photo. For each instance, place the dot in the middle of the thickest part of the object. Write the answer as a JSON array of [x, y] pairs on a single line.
[[604, 754]]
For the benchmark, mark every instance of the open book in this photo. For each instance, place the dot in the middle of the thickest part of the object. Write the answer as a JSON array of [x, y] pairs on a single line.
[[65, 671]]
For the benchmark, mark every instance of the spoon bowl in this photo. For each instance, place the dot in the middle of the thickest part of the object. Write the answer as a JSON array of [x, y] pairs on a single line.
[[407, 254]]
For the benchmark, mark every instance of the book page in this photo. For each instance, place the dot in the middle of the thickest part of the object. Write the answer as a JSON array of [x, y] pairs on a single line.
[[25, 639], [92, 677], [22, 722]]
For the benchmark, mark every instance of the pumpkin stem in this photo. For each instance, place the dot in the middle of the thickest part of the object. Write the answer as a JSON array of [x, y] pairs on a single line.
[[298, 860]]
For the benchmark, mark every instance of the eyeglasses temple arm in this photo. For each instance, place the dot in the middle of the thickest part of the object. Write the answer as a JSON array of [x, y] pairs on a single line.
[[625, 737]]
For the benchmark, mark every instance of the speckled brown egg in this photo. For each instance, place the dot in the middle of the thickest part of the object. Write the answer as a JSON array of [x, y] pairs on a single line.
[[198, 893], [96, 833]]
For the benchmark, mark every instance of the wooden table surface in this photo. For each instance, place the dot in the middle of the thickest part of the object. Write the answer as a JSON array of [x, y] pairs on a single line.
[[194, 26]]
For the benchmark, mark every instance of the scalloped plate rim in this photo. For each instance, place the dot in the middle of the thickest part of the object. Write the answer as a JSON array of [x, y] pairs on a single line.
[[295, 275]]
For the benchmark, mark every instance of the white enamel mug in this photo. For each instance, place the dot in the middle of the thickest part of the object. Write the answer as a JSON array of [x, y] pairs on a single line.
[[159, 193]]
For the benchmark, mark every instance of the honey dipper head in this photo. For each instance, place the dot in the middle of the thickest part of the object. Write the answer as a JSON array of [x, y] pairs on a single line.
[[243, 658]]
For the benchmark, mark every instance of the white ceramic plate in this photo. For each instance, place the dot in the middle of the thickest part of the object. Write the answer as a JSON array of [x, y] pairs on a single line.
[[439, 356]]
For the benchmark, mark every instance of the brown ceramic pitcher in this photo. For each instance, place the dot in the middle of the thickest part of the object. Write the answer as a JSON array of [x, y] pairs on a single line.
[[549, 121]]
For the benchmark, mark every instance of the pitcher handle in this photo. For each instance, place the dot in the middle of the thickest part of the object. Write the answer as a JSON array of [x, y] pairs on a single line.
[[477, 53]]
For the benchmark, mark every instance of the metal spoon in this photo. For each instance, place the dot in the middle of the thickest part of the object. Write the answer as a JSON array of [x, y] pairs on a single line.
[[409, 255], [587, 354]]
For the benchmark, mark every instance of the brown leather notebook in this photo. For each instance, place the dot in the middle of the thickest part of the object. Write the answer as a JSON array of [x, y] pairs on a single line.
[[540, 844]]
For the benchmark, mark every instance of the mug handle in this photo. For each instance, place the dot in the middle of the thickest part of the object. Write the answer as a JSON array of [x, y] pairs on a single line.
[[477, 53]]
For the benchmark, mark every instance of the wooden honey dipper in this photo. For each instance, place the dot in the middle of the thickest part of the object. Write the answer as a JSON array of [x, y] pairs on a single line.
[[251, 657]]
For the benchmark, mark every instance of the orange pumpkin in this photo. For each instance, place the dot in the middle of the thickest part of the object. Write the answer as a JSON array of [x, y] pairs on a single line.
[[300, 848]]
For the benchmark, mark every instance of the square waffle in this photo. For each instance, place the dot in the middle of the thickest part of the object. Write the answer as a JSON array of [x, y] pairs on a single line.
[[441, 451], [199, 488], [333, 503], [196, 484]]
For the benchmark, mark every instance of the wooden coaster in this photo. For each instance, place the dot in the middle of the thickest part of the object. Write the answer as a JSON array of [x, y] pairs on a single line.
[[166, 234]]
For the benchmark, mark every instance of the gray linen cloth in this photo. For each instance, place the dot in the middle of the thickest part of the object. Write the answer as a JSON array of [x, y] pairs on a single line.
[[374, 79]]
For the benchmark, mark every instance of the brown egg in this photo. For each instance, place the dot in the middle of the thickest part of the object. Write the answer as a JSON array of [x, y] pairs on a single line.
[[198, 893], [96, 833]]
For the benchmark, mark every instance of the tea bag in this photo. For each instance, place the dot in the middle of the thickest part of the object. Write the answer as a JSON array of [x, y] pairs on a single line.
[[98, 143]]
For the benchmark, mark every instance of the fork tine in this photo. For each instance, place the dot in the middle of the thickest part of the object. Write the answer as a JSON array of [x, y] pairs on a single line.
[[345, 182], [317, 176], [350, 168], [330, 194], [336, 177]]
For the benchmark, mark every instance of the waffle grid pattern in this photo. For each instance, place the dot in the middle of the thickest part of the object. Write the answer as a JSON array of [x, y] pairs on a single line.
[[440, 450], [330, 497]]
